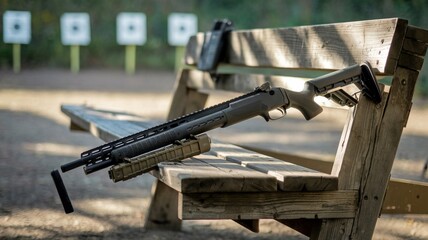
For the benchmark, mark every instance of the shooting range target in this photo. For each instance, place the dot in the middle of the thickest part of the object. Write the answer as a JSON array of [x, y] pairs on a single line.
[[75, 29], [181, 26], [17, 27], [131, 28]]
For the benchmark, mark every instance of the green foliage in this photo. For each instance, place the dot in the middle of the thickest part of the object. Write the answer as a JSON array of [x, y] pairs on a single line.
[[46, 48]]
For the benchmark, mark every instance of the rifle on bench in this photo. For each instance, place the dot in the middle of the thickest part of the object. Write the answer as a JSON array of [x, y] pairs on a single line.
[[265, 101]]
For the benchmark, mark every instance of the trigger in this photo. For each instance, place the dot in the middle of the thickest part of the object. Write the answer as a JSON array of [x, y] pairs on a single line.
[[276, 113]]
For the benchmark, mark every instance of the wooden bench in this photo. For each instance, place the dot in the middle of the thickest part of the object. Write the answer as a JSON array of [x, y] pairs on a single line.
[[234, 183]]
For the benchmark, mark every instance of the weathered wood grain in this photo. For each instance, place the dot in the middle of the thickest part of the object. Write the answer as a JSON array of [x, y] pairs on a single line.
[[356, 143], [406, 197], [328, 46], [185, 99], [396, 46], [268, 205], [107, 125], [420, 34], [290, 177], [411, 61], [240, 82], [162, 213], [367, 151], [207, 173], [388, 136], [352, 164], [415, 47]]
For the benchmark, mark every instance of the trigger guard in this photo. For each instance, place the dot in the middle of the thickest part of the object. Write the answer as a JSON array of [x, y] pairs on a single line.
[[265, 116], [281, 111]]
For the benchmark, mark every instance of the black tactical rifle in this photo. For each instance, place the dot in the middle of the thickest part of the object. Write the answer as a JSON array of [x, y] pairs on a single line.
[[263, 101]]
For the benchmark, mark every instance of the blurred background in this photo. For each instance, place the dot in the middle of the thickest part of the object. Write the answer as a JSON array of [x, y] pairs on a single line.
[[46, 49]]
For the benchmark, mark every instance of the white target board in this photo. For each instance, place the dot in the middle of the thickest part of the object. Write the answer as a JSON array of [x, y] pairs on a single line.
[[181, 26], [75, 29], [17, 27], [131, 28]]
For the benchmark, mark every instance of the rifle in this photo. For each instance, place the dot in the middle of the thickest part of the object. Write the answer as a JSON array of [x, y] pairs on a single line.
[[263, 101]]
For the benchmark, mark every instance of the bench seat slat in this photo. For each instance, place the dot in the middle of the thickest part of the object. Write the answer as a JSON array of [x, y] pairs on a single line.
[[207, 173], [290, 177], [107, 125]]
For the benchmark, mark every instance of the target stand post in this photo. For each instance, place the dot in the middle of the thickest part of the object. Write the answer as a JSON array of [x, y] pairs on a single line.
[[16, 57], [75, 32], [16, 31], [75, 58], [130, 58]]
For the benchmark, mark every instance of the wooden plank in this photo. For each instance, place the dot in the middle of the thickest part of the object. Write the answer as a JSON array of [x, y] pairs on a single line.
[[353, 160], [356, 143], [417, 33], [415, 47], [406, 197], [268, 205], [207, 173], [388, 136], [186, 99], [163, 209], [107, 125], [328, 46], [396, 46], [241, 82], [290, 177], [312, 163], [411, 61], [178, 102]]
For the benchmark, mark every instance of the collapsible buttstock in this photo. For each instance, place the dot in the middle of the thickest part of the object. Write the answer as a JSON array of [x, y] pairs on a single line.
[[369, 84], [304, 102]]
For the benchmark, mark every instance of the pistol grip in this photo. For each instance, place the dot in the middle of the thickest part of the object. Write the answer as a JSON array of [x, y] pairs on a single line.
[[304, 102]]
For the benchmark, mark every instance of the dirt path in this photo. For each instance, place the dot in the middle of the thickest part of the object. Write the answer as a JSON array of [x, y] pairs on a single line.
[[34, 139]]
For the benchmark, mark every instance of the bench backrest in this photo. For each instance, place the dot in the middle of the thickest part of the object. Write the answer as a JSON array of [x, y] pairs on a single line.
[[370, 138]]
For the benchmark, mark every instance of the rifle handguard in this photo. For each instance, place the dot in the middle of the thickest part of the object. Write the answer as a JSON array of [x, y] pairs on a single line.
[[144, 163]]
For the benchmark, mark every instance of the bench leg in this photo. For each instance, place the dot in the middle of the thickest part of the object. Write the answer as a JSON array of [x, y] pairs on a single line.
[[185, 100], [163, 210], [307, 227]]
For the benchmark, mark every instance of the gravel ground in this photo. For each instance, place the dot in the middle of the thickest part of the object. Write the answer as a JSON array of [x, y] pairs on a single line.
[[34, 139]]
